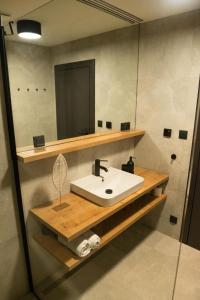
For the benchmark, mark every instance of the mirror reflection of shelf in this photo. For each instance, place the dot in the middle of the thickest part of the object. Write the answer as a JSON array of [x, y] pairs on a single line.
[[28, 154]]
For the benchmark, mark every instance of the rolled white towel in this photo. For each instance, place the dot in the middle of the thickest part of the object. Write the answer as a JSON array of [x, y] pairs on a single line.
[[80, 245], [158, 191], [93, 239]]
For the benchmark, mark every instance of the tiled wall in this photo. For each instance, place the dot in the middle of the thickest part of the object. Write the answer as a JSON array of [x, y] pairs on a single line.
[[13, 281], [32, 95], [168, 85], [169, 69]]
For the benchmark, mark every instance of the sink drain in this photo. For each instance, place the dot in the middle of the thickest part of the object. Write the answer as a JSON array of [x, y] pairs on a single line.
[[108, 191]]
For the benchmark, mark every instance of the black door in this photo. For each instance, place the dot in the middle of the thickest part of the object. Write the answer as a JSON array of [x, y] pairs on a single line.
[[194, 227], [191, 232], [75, 98]]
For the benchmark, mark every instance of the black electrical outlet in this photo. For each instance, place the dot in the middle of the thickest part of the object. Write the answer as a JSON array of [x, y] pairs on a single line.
[[109, 125], [125, 126], [167, 133], [100, 123], [39, 141], [173, 220], [183, 134]]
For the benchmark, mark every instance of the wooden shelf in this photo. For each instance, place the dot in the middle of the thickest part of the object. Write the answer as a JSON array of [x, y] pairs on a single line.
[[81, 214], [28, 154], [119, 222], [107, 230]]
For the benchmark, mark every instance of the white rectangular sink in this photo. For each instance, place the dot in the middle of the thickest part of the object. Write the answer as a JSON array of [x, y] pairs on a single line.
[[116, 186]]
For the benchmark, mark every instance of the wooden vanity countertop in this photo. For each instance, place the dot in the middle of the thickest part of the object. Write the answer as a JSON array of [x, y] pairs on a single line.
[[80, 214]]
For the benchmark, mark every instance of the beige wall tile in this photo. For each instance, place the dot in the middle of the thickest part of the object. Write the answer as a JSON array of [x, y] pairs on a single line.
[[13, 276], [13, 281], [34, 111], [168, 87]]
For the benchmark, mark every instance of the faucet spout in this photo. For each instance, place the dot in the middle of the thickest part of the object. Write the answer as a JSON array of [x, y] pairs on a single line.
[[104, 168], [98, 167]]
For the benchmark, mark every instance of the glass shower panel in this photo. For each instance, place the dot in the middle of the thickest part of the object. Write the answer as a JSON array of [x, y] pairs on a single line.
[[139, 78]]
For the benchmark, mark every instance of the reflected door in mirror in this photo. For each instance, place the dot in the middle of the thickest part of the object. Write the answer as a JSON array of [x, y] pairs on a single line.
[[75, 98]]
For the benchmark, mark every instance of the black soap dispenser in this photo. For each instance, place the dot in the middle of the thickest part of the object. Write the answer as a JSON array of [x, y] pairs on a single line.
[[130, 165]]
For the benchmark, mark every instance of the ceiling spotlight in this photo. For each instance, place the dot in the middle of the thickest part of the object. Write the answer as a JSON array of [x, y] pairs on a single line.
[[29, 29]]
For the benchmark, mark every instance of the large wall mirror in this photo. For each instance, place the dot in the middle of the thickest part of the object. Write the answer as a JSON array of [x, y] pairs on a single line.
[[79, 75], [78, 79]]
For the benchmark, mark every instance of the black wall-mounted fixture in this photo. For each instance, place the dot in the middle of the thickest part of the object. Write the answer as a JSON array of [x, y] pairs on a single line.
[[38, 141], [100, 123], [173, 156], [183, 134], [10, 24], [11, 29], [108, 125], [29, 29], [167, 132], [173, 220], [125, 126]]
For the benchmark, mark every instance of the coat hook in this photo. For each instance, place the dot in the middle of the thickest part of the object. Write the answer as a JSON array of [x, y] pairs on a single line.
[[28, 90], [36, 90], [18, 89], [44, 90], [173, 156]]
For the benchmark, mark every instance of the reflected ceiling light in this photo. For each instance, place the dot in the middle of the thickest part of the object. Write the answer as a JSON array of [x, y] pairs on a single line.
[[29, 29]]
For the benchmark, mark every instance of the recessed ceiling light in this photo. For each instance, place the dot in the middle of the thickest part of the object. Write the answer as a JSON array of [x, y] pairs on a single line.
[[29, 29]]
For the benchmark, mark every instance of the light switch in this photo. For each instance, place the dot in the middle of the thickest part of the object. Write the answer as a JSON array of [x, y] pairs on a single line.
[[167, 132], [100, 123], [109, 125], [183, 134]]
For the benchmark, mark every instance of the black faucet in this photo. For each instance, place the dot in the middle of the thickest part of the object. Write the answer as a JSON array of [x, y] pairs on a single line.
[[98, 167]]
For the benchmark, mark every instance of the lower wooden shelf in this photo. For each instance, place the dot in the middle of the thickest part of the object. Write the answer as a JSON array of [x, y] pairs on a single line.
[[107, 230]]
